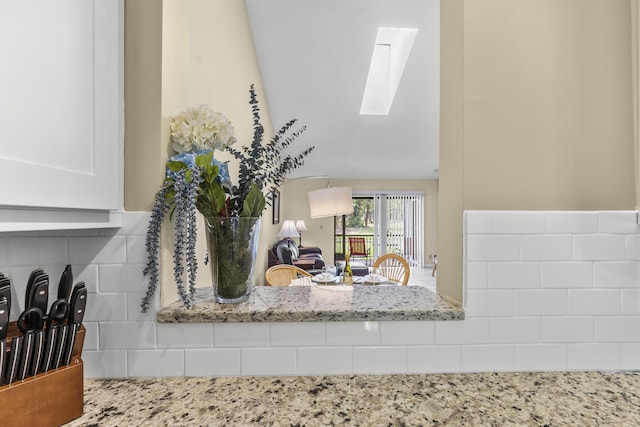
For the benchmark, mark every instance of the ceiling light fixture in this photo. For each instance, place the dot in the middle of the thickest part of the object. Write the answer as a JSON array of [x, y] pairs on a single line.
[[390, 54]]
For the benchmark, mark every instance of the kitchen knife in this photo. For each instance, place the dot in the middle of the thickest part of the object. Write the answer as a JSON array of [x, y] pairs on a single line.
[[77, 307], [66, 284], [50, 341], [13, 361], [29, 322], [4, 325], [5, 293]]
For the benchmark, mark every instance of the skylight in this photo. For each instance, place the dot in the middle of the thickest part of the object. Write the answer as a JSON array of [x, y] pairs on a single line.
[[390, 54]]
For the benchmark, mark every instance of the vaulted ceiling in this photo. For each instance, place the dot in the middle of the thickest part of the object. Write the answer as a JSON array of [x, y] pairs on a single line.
[[314, 59]]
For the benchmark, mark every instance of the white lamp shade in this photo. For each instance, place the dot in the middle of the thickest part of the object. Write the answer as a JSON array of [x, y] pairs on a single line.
[[288, 229], [301, 226], [330, 201]]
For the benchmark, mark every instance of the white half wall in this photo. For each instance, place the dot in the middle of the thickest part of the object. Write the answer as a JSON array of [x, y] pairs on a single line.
[[544, 291]]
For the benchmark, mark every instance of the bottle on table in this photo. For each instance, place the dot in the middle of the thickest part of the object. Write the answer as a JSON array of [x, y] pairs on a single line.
[[348, 274]]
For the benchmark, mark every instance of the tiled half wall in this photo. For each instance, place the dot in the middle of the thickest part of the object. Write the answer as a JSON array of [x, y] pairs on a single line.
[[543, 291]]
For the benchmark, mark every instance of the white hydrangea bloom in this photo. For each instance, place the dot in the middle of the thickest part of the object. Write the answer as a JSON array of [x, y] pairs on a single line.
[[201, 128]]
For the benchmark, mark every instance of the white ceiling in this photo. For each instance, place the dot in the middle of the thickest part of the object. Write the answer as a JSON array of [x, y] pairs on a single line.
[[314, 59]]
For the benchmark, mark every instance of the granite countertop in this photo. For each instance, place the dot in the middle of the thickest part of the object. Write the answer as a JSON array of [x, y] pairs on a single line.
[[489, 399], [318, 303]]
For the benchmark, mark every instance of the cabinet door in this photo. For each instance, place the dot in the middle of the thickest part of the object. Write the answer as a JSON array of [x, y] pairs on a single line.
[[61, 104]]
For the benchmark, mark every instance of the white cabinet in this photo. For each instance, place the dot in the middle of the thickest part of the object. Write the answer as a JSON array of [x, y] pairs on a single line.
[[61, 114]]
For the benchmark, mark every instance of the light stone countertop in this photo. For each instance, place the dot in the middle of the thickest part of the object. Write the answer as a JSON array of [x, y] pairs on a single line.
[[487, 399], [318, 303]]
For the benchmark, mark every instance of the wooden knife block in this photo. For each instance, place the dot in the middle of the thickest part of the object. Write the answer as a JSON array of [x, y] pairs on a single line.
[[48, 399]]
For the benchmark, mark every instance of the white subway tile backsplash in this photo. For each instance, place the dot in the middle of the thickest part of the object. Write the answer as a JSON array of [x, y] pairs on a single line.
[[618, 222], [149, 363], [566, 296], [618, 329], [134, 311], [135, 223], [512, 275], [631, 302], [571, 222], [470, 331], [208, 362], [493, 248], [407, 333], [545, 302], [593, 356], [127, 335], [105, 363], [516, 222], [241, 334], [126, 278], [4, 252], [565, 329], [91, 336], [433, 359], [37, 252], [136, 252], [632, 247], [630, 356], [595, 302], [546, 248], [478, 222], [87, 274], [106, 307], [284, 334], [476, 275], [325, 360], [567, 274], [379, 360], [180, 335], [98, 250], [484, 303], [353, 333], [486, 358], [605, 247], [272, 361], [505, 330], [540, 357], [622, 274]]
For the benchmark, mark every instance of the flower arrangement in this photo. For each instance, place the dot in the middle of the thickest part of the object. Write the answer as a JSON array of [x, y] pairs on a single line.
[[196, 182]]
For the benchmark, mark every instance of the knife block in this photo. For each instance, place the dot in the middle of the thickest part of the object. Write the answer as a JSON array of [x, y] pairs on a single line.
[[47, 399]]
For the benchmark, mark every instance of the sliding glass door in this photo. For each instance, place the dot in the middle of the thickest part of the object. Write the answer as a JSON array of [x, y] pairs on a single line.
[[383, 223]]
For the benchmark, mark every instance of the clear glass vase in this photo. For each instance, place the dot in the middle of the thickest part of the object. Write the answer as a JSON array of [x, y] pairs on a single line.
[[233, 246]]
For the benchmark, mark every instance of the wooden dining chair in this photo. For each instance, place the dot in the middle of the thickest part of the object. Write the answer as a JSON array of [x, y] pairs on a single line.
[[284, 274], [393, 267]]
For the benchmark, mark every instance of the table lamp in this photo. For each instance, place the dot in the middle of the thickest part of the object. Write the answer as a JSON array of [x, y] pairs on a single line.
[[300, 227]]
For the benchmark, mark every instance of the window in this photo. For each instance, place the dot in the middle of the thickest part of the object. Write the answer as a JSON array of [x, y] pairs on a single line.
[[388, 223]]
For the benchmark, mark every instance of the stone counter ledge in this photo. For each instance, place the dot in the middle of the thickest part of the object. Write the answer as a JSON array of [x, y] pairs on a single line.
[[318, 304]]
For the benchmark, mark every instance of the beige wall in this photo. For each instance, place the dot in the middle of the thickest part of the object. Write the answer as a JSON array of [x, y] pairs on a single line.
[[295, 206], [181, 54], [536, 112]]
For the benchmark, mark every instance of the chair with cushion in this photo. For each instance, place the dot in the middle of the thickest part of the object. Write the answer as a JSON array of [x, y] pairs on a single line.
[[284, 274], [393, 267]]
